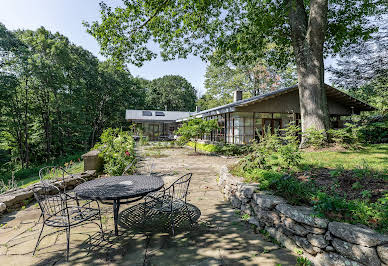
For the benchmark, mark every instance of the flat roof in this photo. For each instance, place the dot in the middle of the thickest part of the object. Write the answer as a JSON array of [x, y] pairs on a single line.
[[155, 115]]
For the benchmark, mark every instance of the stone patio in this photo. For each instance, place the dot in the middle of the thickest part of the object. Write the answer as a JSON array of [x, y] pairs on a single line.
[[218, 238]]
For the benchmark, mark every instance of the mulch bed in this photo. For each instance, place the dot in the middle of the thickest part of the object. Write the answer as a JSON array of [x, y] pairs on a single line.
[[348, 183]]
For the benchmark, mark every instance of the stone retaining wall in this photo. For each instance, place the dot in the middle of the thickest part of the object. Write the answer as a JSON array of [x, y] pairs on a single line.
[[14, 199], [323, 242]]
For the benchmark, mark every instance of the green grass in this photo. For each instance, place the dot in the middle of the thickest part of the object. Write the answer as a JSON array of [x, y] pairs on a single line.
[[203, 146], [373, 156], [74, 169]]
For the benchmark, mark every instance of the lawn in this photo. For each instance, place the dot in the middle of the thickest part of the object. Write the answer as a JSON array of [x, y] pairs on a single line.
[[77, 167], [347, 186], [371, 156]]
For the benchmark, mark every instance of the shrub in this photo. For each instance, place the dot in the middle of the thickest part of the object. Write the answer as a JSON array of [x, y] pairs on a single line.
[[117, 150], [347, 136], [315, 138], [274, 152], [374, 129]]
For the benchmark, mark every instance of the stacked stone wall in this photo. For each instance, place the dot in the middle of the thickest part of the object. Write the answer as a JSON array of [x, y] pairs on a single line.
[[297, 228], [16, 198]]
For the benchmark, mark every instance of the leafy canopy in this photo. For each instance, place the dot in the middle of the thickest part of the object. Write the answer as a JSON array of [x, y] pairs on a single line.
[[171, 91], [233, 30]]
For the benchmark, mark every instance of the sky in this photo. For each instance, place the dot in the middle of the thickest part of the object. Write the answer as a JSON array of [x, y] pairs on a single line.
[[66, 16]]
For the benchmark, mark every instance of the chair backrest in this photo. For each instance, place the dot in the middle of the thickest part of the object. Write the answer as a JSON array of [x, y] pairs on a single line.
[[51, 200], [179, 189], [54, 172], [129, 167]]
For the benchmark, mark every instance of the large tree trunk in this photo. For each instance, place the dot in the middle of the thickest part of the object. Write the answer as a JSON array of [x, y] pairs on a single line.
[[308, 37]]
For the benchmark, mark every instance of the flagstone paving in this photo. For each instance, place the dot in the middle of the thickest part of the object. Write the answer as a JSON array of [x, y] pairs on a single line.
[[218, 238]]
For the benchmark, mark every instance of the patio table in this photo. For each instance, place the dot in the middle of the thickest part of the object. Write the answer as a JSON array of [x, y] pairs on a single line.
[[119, 189]]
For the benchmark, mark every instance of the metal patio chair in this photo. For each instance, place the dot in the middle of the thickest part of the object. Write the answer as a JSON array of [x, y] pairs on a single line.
[[170, 200], [59, 209]]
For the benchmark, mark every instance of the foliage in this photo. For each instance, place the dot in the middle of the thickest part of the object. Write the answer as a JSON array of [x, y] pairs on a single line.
[[374, 129], [315, 138], [117, 150], [223, 149], [240, 33], [363, 69], [327, 201], [274, 151], [56, 97], [302, 261], [255, 79], [195, 128], [172, 92], [245, 32], [347, 136]]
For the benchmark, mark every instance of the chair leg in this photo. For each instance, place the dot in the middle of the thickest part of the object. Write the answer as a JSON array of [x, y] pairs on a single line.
[[68, 242], [38, 241], [172, 223], [99, 215], [188, 215]]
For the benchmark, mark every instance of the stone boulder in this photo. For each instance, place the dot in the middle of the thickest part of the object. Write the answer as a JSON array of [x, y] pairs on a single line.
[[247, 190], [333, 259], [270, 218], [361, 235], [303, 215], [3, 207], [267, 201], [383, 253], [317, 240], [294, 227], [358, 253], [306, 245]]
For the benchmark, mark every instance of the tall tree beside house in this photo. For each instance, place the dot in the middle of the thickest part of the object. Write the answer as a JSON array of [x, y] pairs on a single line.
[[241, 32], [173, 92]]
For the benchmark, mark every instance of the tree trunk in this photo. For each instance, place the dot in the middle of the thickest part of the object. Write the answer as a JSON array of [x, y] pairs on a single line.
[[308, 37]]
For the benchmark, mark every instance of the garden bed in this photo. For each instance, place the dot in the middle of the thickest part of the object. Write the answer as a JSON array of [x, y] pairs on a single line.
[[299, 228]]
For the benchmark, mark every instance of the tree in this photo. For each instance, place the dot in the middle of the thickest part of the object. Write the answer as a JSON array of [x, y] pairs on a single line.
[[242, 32], [172, 92], [363, 70], [195, 128], [256, 79], [56, 98]]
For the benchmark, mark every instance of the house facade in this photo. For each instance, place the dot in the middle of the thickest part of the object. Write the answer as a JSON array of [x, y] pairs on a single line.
[[244, 120], [156, 125]]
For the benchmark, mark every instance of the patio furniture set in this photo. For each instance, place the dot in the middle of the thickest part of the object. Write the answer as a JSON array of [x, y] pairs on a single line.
[[63, 209]]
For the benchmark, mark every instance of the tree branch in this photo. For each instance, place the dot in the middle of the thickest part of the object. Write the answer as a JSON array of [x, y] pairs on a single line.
[[150, 18]]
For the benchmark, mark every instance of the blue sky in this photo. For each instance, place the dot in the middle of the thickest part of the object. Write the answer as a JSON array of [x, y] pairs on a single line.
[[66, 16]]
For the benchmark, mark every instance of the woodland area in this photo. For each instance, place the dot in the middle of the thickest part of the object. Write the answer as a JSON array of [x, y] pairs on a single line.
[[56, 97]]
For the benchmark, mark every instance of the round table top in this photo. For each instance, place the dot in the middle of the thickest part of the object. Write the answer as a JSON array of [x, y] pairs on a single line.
[[119, 187]]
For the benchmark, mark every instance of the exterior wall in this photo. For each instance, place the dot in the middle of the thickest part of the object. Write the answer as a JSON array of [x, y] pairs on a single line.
[[289, 103]]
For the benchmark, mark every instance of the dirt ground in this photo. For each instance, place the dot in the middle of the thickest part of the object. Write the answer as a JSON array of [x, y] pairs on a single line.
[[219, 237]]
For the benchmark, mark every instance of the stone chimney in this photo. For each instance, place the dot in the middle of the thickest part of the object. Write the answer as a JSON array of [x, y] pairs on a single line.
[[197, 109], [237, 95]]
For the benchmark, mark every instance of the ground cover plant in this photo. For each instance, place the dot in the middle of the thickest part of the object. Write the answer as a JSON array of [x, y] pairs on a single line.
[[24, 177], [117, 150], [350, 186], [222, 149]]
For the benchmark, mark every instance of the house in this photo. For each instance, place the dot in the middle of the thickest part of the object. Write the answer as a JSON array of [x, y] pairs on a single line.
[[244, 120], [156, 124]]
